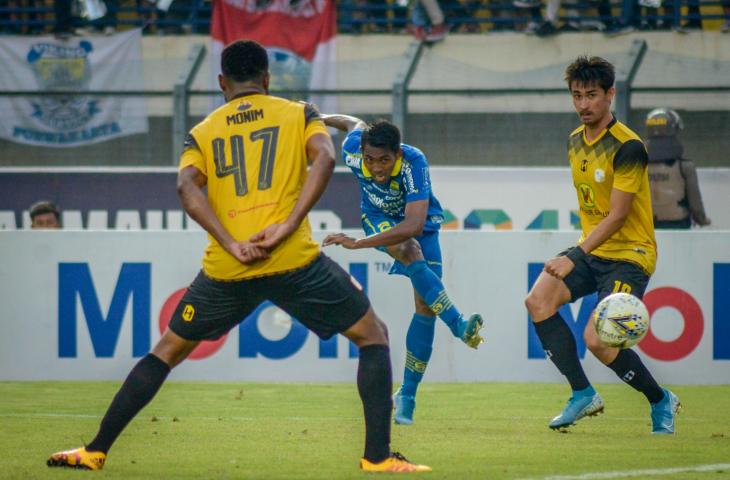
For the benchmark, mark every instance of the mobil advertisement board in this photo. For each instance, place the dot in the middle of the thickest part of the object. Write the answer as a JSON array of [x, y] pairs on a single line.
[[86, 305]]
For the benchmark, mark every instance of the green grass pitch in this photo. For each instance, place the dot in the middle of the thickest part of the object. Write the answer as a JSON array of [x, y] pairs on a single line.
[[287, 431]]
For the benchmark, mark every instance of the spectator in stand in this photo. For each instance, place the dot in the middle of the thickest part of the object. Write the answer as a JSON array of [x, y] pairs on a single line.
[[631, 17], [429, 24], [548, 24], [174, 15], [45, 215], [726, 9], [675, 191], [108, 23], [540, 25]]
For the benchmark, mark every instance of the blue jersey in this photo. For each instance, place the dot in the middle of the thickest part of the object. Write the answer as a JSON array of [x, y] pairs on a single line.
[[409, 182]]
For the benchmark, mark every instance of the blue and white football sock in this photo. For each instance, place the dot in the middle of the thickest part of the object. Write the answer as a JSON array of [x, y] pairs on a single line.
[[429, 287], [419, 345]]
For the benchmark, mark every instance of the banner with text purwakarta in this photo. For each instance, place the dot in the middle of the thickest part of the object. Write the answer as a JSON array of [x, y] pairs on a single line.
[[67, 68], [299, 37]]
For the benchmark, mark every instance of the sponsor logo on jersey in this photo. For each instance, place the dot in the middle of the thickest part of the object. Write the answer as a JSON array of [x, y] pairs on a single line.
[[353, 161], [408, 178], [587, 195]]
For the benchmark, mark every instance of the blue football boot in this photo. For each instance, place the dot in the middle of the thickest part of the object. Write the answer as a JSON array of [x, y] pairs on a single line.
[[469, 330], [404, 406], [663, 413], [578, 406]]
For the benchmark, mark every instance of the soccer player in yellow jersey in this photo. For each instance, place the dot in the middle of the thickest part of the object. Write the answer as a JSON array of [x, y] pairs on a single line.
[[252, 155], [615, 253]]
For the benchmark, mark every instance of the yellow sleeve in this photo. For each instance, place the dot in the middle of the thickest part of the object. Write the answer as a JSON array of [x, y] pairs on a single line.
[[192, 156], [314, 127], [629, 165], [313, 123]]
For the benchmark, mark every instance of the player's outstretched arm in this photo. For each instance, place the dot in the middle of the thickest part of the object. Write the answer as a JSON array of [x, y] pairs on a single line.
[[190, 182], [321, 152], [410, 227], [346, 123]]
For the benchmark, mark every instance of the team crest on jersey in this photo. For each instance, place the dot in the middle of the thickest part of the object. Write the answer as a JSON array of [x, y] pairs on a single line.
[[66, 70], [599, 175], [394, 187], [587, 195]]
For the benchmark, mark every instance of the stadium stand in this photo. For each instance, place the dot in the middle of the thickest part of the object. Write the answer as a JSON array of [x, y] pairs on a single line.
[[382, 16]]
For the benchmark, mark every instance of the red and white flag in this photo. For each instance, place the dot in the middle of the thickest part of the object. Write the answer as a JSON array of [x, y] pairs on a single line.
[[298, 34]]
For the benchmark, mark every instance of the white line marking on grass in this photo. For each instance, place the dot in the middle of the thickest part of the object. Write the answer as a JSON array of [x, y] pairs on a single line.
[[48, 415], [641, 473], [162, 417]]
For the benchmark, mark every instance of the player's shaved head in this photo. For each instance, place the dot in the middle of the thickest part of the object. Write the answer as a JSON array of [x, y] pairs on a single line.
[[586, 71], [381, 134], [244, 61]]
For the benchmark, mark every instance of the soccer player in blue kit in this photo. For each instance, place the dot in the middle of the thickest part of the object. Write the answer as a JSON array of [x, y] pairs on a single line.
[[402, 217]]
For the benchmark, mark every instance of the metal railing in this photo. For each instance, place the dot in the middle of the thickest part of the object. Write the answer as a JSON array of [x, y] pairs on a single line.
[[628, 65]]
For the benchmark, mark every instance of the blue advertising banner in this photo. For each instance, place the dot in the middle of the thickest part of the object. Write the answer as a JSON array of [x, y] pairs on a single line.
[[138, 198]]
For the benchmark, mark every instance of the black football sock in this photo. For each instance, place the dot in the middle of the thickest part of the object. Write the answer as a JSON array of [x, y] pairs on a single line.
[[559, 345], [375, 384], [629, 368], [141, 385]]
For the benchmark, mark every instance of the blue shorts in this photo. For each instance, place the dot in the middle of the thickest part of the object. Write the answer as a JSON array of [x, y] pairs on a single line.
[[428, 240]]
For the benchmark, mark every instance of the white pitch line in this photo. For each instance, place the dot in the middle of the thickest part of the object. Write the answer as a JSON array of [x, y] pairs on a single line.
[[640, 473], [162, 417]]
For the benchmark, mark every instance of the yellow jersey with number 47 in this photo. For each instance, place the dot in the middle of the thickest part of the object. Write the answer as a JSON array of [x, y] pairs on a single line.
[[253, 152], [615, 159]]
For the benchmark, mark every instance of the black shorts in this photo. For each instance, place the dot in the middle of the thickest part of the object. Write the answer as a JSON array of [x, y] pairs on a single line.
[[595, 274], [322, 296]]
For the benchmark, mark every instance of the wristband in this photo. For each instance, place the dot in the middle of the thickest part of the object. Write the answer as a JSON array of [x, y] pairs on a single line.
[[575, 254]]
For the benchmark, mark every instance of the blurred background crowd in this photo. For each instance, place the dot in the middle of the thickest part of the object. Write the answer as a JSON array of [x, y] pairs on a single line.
[[429, 20]]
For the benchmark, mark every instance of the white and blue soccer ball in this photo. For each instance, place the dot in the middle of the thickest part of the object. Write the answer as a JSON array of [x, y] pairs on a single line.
[[621, 320]]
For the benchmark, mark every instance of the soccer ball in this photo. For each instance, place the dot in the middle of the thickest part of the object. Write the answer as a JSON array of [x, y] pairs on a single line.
[[621, 320]]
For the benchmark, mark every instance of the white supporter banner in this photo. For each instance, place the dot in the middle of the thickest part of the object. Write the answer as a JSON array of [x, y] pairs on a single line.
[[68, 68], [87, 305]]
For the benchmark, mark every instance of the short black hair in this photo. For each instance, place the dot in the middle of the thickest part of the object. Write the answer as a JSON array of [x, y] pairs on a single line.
[[42, 207], [381, 134], [585, 71], [244, 60]]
